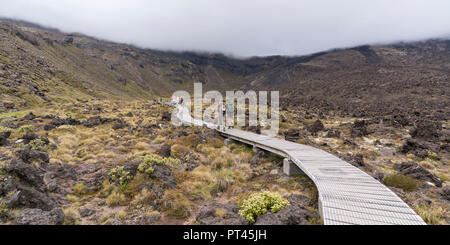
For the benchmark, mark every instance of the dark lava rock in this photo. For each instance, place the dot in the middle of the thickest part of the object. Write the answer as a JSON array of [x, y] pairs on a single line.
[[359, 129], [57, 121], [426, 130], [398, 120], [86, 212], [415, 147], [293, 135], [119, 124], [29, 116], [131, 167], [34, 216], [356, 160], [28, 155], [418, 172], [29, 136], [315, 127], [208, 215], [93, 181], [95, 121], [164, 175], [23, 196], [146, 219], [166, 116], [333, 133], [445, 193], [4, 137], [164, 150], [294, 214], [26, 172], [150, 186]]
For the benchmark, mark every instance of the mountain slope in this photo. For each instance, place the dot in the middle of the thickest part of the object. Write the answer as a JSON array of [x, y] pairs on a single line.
[[39, 65]]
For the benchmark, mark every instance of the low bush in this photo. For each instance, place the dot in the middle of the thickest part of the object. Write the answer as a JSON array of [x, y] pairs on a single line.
[[433, 156], [258, 204], [403, 182], [38, 145], [120, 176], [26, 129]]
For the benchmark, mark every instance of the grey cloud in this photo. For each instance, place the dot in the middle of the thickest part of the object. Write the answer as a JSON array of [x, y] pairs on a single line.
[[241, 27]]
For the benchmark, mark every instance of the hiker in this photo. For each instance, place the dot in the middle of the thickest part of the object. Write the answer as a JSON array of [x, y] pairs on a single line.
[[181, 101], [230, 113], [221, 112]]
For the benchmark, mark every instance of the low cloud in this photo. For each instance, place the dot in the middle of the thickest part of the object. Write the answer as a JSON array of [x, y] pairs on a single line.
[[241, 28]]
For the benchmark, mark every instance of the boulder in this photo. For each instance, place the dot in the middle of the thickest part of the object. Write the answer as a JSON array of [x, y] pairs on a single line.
[[445, 193], [95, 121], [163, 150], [4, 138], [18, 195], [315, 127], [164, 175], [426, 130], [415, 147], [29, 116], [28, 155], [333, 133], [34, 216], [166, 116], [359, 129]]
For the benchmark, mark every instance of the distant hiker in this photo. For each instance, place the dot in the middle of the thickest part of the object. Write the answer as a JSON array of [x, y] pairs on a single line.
[[230, 113], [221, 112], [181, 101]]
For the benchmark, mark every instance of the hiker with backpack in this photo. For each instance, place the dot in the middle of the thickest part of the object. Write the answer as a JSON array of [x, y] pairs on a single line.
[[230, 114]]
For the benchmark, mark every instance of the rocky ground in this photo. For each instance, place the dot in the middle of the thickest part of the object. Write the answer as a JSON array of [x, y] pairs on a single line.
[[106, 162], [115, 162]]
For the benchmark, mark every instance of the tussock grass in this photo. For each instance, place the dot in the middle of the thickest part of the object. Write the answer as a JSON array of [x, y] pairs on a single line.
[[403, 182]]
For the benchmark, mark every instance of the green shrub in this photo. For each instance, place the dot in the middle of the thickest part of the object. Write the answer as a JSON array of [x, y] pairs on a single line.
[[258, 204], [433, 156], [38, 145], [147, 162], [26, 129], [403, 182], [120, 176]]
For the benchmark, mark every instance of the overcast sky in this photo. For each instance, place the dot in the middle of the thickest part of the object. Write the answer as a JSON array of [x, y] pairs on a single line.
[[241, 27]]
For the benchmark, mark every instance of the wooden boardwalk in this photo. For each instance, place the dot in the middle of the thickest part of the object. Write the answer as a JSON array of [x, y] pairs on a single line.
[[347, 195]]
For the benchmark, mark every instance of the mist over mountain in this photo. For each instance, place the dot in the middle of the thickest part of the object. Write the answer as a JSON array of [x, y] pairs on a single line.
[[241, 28]]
